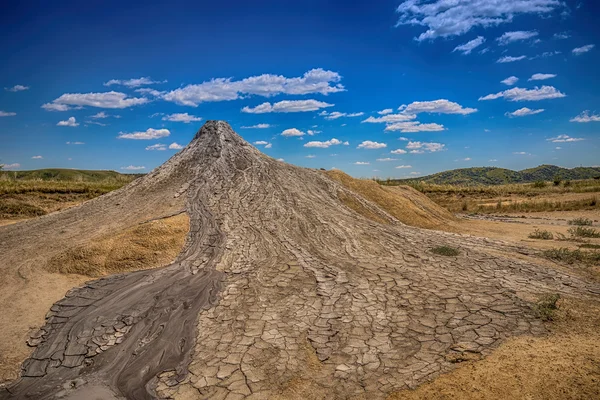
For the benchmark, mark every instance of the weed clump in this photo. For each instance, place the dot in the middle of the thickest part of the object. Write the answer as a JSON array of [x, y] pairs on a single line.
[[539, 234], [573, 256], [445, 251], [580, 221], [581, 231], [546, 306]]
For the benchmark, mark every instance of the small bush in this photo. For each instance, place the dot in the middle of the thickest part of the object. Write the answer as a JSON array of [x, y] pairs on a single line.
[[546, 306], [581, 231], [539, 234], [589, 246], [445, 251], [557, 180], [580, 221], [567, 183], [539, 184], [573, 256]]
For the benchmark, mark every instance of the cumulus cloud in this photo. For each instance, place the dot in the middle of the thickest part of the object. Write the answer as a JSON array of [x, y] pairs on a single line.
[[37, 157], [69, 122], [158, 147], [562, 35], [508, 59], [586, 117], [421, 147], [522, 112], [361, 163], [390, 118], [311, 156], [519, 94], [511, 80], [257, 126], [404, 166], [292, 132], [10, 166], [181, 117], [151, 92], [468, 47], [148, 134], [564, 139], [444, 18], [7, 114], [386, 159], [335, 114], [266, 85], [541, 77], [132, 83], [17, 88], [100, 100], [398, 151], [323, 145], [441, 106], [263, 143], [515, 36], [175, 146], [414, 126], [313, 132], [75, 143], [133, 168], [386, 111], [367, 144], [287, 106], [99, 115], [584, 49]]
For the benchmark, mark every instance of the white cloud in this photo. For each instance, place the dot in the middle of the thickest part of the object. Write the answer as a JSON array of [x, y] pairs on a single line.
[[361, 163], [564, 139], [386, 111], [521, 153], [181, 117], [515, 36], [100, 115], [17, 88], [131, 83], [257, 126], [312, 133], [133, 168], [511, 80], [444, 18], [421, 147], [100, 100], [414, 126], [441, 106], [522, 112], [260, 143], [311, 156], [70, 122], [281, 159], [37, 157], [269, 146], [175, 146], [292, 132], [508, 59], [386, 159], [7, 114], [467, 159], [541, 77], [324, 145], [586, 117], [558, 148], [562, 35], [75, 143], [367, 144], [335, 115], [404, 166], [398, 151], [267, 85], [286, 106], [584, 49], [149, 134], [11, 166], [158, 146], [390, 118], [151, 92], [95, 123], [492, 160], [468, 47], [519, 94], [403, 139]]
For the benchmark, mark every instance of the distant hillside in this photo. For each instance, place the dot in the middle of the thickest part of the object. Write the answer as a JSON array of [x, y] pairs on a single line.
[[499, 176], [74, 175]]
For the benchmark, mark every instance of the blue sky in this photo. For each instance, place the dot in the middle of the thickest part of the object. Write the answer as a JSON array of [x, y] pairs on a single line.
[[384, 88]]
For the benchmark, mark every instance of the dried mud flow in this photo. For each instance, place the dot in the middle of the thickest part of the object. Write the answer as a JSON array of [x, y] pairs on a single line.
[[280, 290]]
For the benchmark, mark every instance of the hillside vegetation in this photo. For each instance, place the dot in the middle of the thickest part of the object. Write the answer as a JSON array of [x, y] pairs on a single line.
[[74, 175], [500, 176]]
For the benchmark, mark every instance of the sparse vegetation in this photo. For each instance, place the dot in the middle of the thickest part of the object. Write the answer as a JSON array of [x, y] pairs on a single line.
[[580, 221], [573, 256], [589, 246], [445, 251], [539, 184], [584, 232], [541, 234], [546, 306]]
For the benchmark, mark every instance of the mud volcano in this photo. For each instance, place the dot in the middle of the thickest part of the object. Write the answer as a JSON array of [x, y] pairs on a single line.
[[282, 290]]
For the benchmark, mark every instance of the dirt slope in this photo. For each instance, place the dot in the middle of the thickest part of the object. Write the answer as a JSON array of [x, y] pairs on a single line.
[[281, 290]]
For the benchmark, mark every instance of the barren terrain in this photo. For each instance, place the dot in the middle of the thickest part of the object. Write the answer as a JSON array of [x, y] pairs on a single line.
[[291, 283]]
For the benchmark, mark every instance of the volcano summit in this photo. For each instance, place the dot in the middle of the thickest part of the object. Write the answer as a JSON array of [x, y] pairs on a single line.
[[281, 291]]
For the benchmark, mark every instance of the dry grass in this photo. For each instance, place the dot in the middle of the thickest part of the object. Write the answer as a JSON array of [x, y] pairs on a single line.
[[402, 202], [145, 246]]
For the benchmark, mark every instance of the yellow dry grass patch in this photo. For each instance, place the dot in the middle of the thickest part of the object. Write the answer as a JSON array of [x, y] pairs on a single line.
[[149, 245], [563, 365], [403, 202]]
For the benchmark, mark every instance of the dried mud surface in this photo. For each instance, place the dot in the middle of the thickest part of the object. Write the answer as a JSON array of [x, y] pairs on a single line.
[[281, 290]]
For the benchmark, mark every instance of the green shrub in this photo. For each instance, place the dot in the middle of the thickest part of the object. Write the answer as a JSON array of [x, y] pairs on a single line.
[[445, 251], [539, 184], [546, 306], [539, 234], [581, 231], [573, 256], [580, 221], [557, 180]]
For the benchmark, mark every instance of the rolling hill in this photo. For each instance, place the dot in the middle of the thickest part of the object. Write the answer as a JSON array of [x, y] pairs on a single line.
[[499, 176], [74, 175]]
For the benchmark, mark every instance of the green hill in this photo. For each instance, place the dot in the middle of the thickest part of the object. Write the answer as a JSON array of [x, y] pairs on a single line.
[[499, 176], [72, 175]]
